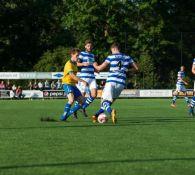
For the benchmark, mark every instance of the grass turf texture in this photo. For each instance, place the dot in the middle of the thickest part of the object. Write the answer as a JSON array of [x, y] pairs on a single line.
[[149, 138]]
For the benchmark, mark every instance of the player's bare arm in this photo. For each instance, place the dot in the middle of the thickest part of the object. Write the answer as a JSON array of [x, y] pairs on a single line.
[[133, 68], [74, 77], [185, 82], [82, 64], [101, 66], [193, 69]]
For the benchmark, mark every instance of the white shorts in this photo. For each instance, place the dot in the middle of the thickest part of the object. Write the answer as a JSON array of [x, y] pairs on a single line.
[[180, 88], [194, 85], [92, 85], [111, 91]]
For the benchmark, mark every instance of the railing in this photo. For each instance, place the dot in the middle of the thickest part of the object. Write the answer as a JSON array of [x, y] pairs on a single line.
[[126, 93]]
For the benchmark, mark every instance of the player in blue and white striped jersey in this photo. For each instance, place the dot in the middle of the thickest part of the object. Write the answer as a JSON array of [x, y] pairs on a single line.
[[180, 87], [192, 103], [115, 83], [86, 60]]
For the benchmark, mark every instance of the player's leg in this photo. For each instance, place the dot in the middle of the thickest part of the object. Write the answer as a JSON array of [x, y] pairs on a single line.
[[175, 95], [70, 94], [107, 99], [92, 91], [186, 97], [81, 88], [80, 100], [192, 103]]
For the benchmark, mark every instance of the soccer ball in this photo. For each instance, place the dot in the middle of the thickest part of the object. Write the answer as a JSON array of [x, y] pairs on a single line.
[[102, 118]]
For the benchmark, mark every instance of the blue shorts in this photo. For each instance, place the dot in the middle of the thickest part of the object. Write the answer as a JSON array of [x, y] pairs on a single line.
[[71, 89]]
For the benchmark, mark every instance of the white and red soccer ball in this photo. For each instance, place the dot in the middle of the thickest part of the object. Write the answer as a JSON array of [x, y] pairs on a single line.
[[102, 118]]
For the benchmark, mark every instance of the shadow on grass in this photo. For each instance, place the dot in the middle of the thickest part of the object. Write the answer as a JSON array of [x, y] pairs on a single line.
[[94, 163], [122, 122], [69, 126]]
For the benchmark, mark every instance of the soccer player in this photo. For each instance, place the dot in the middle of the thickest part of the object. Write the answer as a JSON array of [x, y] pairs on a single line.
[[69, 81], [192, 103], [115, 83], [180, 87], [85, 61]]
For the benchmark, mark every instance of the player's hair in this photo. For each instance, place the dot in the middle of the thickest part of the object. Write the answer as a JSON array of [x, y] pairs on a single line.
[[74, 50], [88, 41], [115, 45]]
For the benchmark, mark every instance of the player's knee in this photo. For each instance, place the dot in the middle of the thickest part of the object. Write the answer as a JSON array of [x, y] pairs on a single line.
[[71, 101], [94, 95], [81, 100]]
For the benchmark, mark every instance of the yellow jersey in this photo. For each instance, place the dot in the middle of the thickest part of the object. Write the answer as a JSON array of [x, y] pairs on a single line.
[[69, 67]]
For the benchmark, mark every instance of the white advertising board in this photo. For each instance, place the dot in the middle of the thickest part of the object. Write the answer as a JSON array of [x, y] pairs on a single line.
[[155, 93]]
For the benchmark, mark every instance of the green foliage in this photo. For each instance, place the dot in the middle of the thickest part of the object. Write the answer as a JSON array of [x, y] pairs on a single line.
[[52, 61], [160, 30]]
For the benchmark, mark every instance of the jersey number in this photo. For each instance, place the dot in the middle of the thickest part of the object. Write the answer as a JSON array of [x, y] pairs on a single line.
[[119, 64]]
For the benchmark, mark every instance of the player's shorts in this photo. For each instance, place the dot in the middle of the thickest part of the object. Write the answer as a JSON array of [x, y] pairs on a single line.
[[71, 89], [111, 91], [92, 85], [180, 88], [194, 85]]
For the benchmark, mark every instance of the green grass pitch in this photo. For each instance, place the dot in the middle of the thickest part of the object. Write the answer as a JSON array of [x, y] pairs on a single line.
[[150, 138]]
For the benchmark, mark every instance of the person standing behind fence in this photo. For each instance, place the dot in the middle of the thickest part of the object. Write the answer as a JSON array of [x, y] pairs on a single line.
[[2, 85], [180, 87], [192, 103], [53, 85], [30, 85], [58, 85], [46, 85]]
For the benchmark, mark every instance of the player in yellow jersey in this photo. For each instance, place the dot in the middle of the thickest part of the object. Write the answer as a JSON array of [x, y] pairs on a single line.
[[69, 82]]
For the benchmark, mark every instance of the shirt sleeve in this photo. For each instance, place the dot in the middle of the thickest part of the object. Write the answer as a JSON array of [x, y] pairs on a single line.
[[108, 60], [80, 58], [68, 68]]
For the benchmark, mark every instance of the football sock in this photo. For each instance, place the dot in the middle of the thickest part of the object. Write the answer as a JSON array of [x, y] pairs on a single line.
[[187, 100], [66, 111], [174, 99], [192, 103], [87, 102], [99, 112], [76, 107], [107, 106]]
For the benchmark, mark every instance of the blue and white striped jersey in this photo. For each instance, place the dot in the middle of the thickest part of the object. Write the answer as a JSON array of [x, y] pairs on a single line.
[[119, 64], [180, 76], [87, 71], [194, 61]]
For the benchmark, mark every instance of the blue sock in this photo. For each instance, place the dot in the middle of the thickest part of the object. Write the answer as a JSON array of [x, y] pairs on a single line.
[[66, 111], [99, 112], [106, 105], [87, 102], [76, 107], [192, 103]]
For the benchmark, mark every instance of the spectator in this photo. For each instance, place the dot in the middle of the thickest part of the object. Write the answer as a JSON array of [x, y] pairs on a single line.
[[53, 86], [35, 85], [30, 85], [19, 94], [58, 85], [40, 85], [46, 85], [8, 85], [14, 88], [2, 85]]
